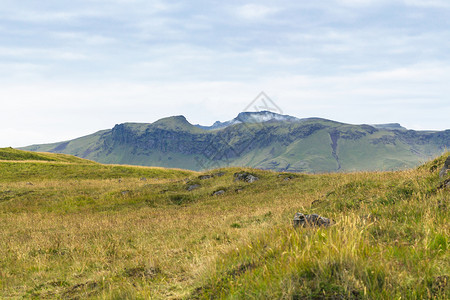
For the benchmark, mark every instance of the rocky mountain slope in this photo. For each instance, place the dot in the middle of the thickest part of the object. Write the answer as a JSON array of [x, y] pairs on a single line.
[[261, 140]]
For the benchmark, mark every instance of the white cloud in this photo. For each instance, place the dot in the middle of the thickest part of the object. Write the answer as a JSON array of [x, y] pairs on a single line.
[[73, 68], [360, 2], [255, 12], [420, 3], [428, 3], [31, 54], [83, 38], [66, 110]]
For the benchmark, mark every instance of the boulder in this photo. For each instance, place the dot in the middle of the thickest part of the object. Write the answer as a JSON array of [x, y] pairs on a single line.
[[218, 193], [193, 187], [310, 220], [445, 168], [247, 177]]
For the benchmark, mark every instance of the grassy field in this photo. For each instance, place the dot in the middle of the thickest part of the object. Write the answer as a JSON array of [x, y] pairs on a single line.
[[75, 229]]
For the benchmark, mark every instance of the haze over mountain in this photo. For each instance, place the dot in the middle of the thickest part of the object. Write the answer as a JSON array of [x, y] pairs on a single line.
[[263, 140]]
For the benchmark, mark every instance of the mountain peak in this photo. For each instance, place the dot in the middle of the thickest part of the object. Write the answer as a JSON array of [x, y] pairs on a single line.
[[175, 122], [252, 117], [263, 116], [179, 118]]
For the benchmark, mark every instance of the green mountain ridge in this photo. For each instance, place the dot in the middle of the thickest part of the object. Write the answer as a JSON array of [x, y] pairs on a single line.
[[280, 143]]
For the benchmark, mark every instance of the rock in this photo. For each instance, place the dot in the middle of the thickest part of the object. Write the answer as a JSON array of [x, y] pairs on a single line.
[[218, 193], [193, 187], [143, 179], [29, 183], [203, 177], [445, 168], [310, 220], [251, 178], [247, 177]]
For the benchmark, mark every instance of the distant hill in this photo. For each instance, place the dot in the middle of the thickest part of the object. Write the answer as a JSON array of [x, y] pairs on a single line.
[[262, 140], [10, 154]]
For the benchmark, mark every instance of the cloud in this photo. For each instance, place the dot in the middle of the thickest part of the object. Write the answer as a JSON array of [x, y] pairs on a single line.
[[418, 3], [255, 12], [348, 60], [65, 110], [428, 3], [360, 2], [83, 38]]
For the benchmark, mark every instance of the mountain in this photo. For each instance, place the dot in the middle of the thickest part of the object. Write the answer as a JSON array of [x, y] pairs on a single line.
[[390, 126], [252, 117], [262, 140]]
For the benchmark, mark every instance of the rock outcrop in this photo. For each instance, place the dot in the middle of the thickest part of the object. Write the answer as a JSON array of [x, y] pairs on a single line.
[[445, 168], [247, 177], [310, 220]]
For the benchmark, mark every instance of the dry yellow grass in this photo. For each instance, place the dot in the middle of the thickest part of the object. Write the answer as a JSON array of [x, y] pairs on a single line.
[[133, 238]]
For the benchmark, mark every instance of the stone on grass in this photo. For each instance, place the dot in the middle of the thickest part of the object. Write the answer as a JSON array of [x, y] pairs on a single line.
[[193, 187], [218, 193], [247, 177], [310, 220]]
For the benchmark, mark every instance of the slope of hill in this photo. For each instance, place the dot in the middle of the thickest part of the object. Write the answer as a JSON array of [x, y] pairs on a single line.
[[11, 154], [18, 165], [260, 140], [85, 234]]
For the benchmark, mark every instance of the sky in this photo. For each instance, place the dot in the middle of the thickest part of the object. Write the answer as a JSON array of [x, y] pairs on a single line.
[[71, 68]]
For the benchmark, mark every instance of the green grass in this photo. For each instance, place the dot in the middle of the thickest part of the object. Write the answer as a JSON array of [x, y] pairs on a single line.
[[73, 230], [11, 154]]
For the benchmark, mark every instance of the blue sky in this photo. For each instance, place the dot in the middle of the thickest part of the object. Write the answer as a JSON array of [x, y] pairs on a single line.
[[70, 68]]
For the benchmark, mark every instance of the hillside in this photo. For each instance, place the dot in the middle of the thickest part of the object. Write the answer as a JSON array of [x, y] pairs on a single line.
[[259, 140], [10, 154], [78, 230]]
